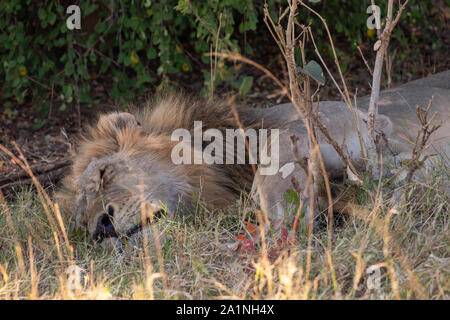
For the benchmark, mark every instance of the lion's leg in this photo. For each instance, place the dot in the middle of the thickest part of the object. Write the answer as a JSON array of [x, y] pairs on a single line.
[[280, 193], [294, 153]]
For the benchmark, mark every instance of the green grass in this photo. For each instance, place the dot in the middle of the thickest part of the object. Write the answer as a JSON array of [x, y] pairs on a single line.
[[196, 258]]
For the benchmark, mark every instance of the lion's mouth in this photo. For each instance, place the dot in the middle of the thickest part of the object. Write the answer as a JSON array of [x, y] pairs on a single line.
[[138, 228], [135, 229], [110, 231]]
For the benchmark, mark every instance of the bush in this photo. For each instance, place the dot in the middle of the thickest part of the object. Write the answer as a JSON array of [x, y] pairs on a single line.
[[129, 44]]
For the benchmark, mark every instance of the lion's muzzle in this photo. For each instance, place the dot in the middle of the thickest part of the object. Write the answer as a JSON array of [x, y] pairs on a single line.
[[104, 228]]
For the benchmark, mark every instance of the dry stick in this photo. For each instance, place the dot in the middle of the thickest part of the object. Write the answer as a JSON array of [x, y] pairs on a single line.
[[397, 173], [319, 181], [364, 59], [45, 199], [320, 178], [287, 48], [206, 25], [264, 206], [344, 96], [262, 219], [34, 279], [50, 176], [99, 53], [279, 40], [144, 214], [214, 70], [347, 95], [304, 99], [322, 128], [376, 81], [386, 240], [48, 169], [388, 66], [39, 83], [290, 58], [69, 248], [422, 137]]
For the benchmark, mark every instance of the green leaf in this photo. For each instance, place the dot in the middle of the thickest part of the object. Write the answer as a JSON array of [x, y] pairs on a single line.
[[151, 53], [42, 14], [39, 124], [246, 85], [105, 65], [291, 197], [68, 90], [51, 18], [313, 70]]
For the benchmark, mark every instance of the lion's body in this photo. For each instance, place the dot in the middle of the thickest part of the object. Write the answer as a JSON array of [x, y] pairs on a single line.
[[398, 121], [123, 164]]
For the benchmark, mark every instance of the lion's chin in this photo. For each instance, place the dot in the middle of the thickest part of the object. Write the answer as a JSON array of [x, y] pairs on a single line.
[[113, 244], [117, 240], [135, 238]]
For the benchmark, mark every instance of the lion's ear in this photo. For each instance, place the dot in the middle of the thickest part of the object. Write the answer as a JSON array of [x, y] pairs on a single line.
[[100, 178], [116, 120], [106, 173]]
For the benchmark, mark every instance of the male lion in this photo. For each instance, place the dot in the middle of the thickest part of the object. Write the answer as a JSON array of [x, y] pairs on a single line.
[[123, 167]]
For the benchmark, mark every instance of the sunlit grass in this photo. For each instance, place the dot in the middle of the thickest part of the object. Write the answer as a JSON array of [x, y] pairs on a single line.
[[410, 242]]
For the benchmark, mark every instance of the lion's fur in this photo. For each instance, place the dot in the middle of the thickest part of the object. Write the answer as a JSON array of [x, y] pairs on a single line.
[[143, 140]]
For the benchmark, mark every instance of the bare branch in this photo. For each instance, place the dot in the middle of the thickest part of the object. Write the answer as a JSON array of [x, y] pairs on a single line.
[[376, 81]]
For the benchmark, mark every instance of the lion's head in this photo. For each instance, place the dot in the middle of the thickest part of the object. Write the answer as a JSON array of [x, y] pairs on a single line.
[[122, 175], [115, 198]]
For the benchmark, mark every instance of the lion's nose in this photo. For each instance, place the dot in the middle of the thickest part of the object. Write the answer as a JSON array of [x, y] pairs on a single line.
[[104, 228]]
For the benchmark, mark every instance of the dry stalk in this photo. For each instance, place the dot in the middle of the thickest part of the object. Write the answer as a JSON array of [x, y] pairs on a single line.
[[422, 138], [286, 41], [302, 100], [344, 94], [383, 41]]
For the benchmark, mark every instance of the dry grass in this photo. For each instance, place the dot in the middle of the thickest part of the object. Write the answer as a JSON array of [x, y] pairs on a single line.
[[410, 244]]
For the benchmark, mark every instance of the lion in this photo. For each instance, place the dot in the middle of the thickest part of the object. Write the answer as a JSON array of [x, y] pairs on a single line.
[[123, 174], [123, 164]]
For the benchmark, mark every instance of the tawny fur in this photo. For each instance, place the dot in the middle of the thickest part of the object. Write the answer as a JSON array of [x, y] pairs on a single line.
[[143, 140]]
